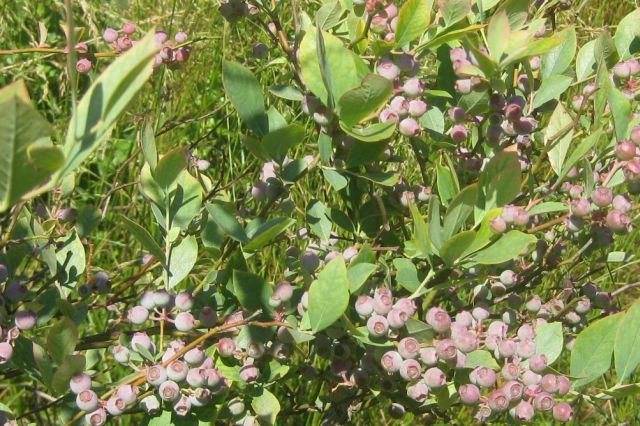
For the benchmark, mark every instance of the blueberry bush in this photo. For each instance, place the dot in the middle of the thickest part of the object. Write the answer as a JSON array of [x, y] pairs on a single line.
[[319, 212]]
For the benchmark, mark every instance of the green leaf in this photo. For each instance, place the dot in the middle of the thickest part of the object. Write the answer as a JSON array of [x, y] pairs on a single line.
[[498, 34], [62, 339], [481, 358], [147, 241], [336, 179], [433, 122], [182, 260], [413, 19], [329, 295], [186, 201], [548, 207], [21, 126], [435, 227], [222, 215], [371, 133], [549, 340], [358, 274], [267, 233], [447, 36], [586, 61], [535, 48], [252, 291], [556, 61], [105, 101], [406, 274], [328, 16], [507, 247], [551, 89], [560, 120], [318, 220], [420, 231], [169, 168], [476, 102], [71, 365], [579, 153], [591, 353], [71, 259], [500, 180], [459, 210], [362, 102], [266, 407], [454, 248], [345, 69], [627, 37], [245, 93], [148, 144], [278, 142], [284, 91], [626, 348], [446, 183], [621, 111], [517, 11], [454, 10]]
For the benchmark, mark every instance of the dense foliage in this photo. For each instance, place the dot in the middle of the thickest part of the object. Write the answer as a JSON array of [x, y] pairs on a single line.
[[420, 210]]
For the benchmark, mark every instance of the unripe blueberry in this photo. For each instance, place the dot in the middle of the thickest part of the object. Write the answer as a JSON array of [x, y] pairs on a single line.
[[161, 298], [83, 66], [580, 207], [521, 217], [466, 341], [506, 348], [530, 378], [249, 373], [156, 375], [184, 321], [618, 221], [435, 378], [523, 411], [236, 407], [446, 349], [169, 391], [177, 371], [526, 348], [150, 404], [534, 304], [397, 318], [137, 315], [469, 394], [625, 150], [438, 319], [124, 43], [526, 332], [281, 351], [182, 407], [283, 291], [382, 301], [480, 313], [97, 417], [146, 300], [387, 69], [459, 133], [79, 382], [25, 320], [498, 401], [508, 277], [543, 402], [115, 406], [409, 127], [194, 356], [457, 114], [409, 348], [207, 317], [87, 400], [538, 363], [110, 35], [463, 86], [514, 390], [128, 393], [549, 383], [142, 339], [429, 356], [378, 326], [602, 197], [410, 369], [418, 391], [562, 412], [391, 361], [622, 203], [417, 108], [388, 115], [183, 301], [215, 379], [200, 397], [622, 70], [226, 347], [413, 87], [120, 354], [255, 350], [464, 319], [483, 376], [497, 329], [510, 371], [498, 225]]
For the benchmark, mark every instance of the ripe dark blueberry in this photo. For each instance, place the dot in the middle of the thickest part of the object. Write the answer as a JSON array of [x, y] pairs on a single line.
[[397, 411], [25, 320]]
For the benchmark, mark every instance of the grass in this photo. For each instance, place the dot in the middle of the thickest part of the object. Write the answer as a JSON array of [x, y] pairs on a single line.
[[187, 106]]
